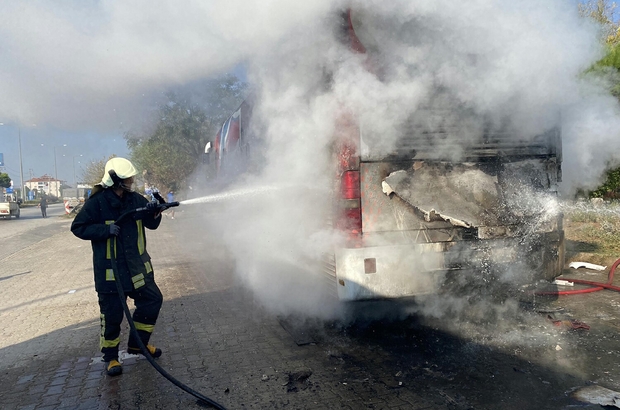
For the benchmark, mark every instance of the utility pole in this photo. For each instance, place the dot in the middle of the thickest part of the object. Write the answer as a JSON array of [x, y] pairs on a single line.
[[74, 178], [55, 167], [21, 167]]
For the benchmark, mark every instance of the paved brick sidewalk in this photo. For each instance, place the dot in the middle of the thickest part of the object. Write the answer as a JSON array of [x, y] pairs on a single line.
[[215, 339]]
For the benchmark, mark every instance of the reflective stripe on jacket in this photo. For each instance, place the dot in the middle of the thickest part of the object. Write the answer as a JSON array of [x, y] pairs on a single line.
[[133, 261]]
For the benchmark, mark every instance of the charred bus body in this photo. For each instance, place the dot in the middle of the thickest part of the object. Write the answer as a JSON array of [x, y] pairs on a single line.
[[417, 220], [457, 200]]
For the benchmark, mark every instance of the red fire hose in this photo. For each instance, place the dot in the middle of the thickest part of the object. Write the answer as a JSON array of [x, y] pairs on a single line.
[[596, 286]]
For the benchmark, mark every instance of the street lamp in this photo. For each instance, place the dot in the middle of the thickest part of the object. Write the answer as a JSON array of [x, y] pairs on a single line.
[[74, 179], [55, 167]]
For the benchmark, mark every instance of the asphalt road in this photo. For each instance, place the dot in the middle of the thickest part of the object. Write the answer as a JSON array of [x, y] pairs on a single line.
[[30, 228]]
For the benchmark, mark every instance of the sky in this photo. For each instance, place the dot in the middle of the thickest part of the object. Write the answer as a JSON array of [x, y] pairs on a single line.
[[71, 149]]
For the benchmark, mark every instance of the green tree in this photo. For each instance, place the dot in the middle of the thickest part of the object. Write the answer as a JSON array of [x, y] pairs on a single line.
[[604, 13], [610, 188], [5, 180], [93, 172], [171, 151]]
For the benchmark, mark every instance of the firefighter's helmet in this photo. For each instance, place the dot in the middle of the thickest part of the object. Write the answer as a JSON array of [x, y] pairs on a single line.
[[121, 169]]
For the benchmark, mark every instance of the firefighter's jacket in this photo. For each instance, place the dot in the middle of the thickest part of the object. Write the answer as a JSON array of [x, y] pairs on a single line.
[[92, 223]]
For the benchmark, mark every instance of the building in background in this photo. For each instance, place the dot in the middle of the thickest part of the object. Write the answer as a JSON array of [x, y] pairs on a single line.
[[80, 194], [47, 184]]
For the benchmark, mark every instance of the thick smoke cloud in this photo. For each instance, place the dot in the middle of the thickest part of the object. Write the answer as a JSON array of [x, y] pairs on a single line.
[[79, 64], [519, 64], [97, 64]]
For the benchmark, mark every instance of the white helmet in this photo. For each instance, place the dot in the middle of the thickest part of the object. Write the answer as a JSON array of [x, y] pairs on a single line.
[[121, 167]]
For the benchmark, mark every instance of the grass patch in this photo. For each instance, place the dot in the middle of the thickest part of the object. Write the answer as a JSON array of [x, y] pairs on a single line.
[[582, 216], [593, 234]]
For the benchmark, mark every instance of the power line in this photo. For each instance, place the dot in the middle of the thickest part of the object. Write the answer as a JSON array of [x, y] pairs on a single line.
[[11, 170]]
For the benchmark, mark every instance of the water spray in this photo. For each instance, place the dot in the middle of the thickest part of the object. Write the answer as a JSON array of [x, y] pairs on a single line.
[[231, 195]]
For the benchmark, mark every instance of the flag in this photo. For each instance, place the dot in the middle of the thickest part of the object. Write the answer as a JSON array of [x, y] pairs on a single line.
[[232, 139]]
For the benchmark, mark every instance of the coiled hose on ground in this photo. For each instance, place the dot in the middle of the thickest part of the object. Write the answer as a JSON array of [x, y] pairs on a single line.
[[595, 286]]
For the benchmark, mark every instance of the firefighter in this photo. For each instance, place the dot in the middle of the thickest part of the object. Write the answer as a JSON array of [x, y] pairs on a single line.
[[96, 223]]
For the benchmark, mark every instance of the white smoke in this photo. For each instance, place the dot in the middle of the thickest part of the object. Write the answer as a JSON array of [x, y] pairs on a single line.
[[81, 65], [591, 131], [78, 64], [523, 61]]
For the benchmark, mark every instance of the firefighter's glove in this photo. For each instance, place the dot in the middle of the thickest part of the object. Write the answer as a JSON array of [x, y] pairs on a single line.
[[153, 206], [114, 230]]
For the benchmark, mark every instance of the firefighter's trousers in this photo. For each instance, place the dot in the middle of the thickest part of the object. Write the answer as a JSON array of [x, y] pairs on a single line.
[[148, 300]]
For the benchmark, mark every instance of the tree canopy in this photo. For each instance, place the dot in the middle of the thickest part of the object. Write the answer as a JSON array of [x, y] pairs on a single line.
[[5, 180], [170, 152], [610, 189], [93, 172], [604, 13]]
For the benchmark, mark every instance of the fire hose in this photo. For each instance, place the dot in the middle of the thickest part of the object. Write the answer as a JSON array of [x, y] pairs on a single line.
[[594, 286], [202, 400]]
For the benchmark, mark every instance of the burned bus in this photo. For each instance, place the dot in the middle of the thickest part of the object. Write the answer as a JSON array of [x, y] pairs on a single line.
[[432, 212]]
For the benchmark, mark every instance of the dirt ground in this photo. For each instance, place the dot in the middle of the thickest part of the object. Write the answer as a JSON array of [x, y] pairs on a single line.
[[519, 359], [523, 353]]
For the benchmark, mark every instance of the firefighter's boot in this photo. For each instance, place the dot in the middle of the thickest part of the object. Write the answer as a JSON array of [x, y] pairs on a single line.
[[114, 368], [154, 351]]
